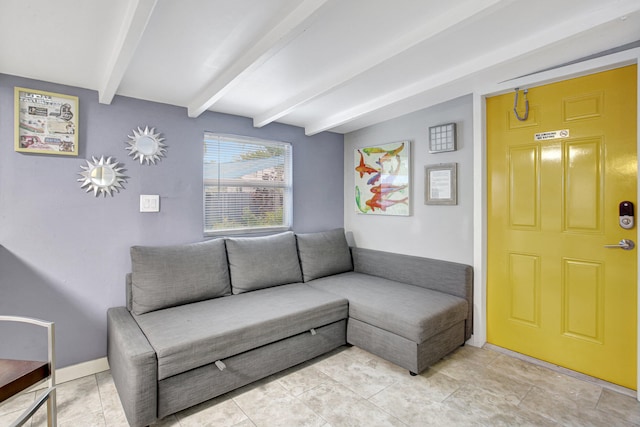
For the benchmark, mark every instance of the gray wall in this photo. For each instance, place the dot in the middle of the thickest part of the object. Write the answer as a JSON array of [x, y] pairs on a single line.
[[442, 232], [64, 253]]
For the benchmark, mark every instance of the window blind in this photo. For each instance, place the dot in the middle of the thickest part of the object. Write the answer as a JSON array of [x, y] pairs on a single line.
[[247, 184]]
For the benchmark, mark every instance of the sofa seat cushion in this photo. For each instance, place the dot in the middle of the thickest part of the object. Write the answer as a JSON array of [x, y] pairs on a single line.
[[410, 311], [193, 335]]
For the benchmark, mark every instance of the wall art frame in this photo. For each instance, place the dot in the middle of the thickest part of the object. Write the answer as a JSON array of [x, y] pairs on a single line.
[[441, 184], [45, 122], [383, 179], [443, 138]]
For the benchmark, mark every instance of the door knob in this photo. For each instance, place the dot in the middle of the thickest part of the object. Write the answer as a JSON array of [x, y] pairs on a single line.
[[625, 244]]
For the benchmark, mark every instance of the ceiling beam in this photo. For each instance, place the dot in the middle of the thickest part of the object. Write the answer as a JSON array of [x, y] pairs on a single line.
[[134, 24], [267, 45], [443, 22], [504, 54]]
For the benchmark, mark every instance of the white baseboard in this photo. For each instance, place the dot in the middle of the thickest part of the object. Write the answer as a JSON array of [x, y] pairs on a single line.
[[73, 372], [80, 370], [475, 341]]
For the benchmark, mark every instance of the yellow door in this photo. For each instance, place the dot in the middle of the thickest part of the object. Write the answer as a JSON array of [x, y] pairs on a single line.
[[555, 182]]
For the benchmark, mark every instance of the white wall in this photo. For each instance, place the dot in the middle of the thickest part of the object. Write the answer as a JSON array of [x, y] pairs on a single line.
[[441, 232]]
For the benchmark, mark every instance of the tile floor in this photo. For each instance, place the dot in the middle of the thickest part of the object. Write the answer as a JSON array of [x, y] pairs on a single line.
[[350, 387]]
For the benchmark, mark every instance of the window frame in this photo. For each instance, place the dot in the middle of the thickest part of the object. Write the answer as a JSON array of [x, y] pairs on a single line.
[[286, 185]]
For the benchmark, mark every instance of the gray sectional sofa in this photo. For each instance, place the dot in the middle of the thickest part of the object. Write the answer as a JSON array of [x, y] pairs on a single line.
[[205, 318]]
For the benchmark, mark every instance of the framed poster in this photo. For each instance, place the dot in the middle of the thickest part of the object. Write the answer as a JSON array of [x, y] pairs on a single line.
[[441, 184], [382, 175], [45, 122]]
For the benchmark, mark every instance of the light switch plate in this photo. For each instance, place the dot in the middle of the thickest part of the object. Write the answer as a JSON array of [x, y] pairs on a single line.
[[149, 203]]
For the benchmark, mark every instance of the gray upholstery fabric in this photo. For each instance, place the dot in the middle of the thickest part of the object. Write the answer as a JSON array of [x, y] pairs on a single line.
[[262, 262], [412, 312], [409, 310], [197, 385], [449, 277], [416, 357], [385, 344], [166, 276], [129, 291], [133, 367], [190, 336], [323, 254], [439, 345]]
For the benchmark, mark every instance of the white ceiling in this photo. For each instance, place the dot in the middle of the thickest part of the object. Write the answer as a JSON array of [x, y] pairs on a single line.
[[336, 65]]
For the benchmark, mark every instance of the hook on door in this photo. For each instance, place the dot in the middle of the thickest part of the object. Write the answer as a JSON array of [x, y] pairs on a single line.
[[526, 106]]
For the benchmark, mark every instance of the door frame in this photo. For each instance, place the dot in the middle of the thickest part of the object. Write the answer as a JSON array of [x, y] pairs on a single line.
[[592, 66]]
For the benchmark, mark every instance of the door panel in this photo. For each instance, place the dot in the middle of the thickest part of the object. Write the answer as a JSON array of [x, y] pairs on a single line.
[[524, 285], [554, 291], [582, 314], [582, 183], [524, 178]]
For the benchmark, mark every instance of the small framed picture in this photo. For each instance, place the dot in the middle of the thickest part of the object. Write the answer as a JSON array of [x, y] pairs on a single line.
[[441, 184], [45, 122], [442, 138]]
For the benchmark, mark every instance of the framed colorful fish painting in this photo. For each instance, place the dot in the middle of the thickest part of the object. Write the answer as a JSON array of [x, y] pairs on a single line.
[[382, 179]]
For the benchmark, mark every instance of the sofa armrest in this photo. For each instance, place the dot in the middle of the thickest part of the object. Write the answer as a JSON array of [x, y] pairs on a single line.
[[444, 276], [134, 367]]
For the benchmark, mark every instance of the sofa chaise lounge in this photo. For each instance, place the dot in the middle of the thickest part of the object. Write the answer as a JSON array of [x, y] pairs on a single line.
[[205, 318]]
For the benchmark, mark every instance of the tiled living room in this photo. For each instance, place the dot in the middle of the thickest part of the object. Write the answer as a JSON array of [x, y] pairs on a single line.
[[477, 160]]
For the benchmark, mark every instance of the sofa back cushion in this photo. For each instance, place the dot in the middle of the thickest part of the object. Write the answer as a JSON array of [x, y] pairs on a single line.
[[323, 254], [166, 276], [262, 262]]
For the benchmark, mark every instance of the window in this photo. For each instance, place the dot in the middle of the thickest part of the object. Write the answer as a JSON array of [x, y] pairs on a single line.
[[247, 185]]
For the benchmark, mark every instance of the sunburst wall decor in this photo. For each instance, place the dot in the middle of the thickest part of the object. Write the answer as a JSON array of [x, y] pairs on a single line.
[[146, 145], [102, 176]]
